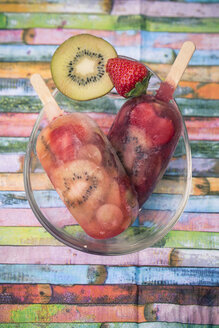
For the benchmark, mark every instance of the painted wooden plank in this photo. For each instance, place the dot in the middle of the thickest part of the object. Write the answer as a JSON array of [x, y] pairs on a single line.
[[108, 22], [162, 257], [66, 325], [182, 313], [75, 21], [168, 185], [21, 125], [108, 294], [109, 325], [11, 163], [77, 294], [98, 7], [11, 145], [99, 274], [188, 221], [175, 40], [24, 217], [204, 148], [192, 73], [201, 167], [56, 36], [206, 203], [23, 70], [71, 313], [30, 236], [32, 104], [38, 53], [180, 24], [14, 36], [179, 9], [200, 149]]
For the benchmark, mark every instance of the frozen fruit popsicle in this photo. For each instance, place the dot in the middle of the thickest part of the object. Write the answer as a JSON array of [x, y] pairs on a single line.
[[84, 169], [147, 129]]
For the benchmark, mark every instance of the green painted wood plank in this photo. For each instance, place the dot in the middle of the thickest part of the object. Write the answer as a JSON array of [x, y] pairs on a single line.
[[194, 25], [174, 239], [79, 21], [11, 145], [200, 149], [205, 149], [110, 22], [3, 20], [32, 104]]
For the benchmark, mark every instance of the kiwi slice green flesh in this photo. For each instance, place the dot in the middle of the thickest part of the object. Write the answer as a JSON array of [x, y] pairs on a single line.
[[78, 67]]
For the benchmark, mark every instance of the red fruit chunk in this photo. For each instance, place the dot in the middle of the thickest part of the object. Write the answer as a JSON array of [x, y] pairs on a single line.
[[64, 139], [158, 128], [125, 73]]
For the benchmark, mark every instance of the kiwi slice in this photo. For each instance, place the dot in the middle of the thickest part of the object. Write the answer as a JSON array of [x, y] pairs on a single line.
[[78, 67]]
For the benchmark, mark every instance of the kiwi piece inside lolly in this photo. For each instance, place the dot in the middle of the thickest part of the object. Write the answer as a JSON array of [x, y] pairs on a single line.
[[78, 67]]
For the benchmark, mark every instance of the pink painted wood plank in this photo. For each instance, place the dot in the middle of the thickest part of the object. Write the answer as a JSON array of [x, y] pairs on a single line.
[[149, 257], [24, 217], [192, 314], [175, 40], [59, 35], [179, 9], [21, 125], [11, 36], [67, 255], [11, 163]]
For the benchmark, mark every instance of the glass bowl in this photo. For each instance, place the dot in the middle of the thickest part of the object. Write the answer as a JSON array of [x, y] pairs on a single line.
[[156, 217]]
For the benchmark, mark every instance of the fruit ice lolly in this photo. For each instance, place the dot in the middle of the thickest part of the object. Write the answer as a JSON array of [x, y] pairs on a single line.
[[147, 129], [86, 172]]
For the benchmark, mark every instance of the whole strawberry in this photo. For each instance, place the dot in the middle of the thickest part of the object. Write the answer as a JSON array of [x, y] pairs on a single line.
[[129, 77]]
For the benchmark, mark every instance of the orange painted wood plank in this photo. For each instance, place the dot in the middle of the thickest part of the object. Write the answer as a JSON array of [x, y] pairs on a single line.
[[71, 313], [108, 294], [98, 6], [25, 294]]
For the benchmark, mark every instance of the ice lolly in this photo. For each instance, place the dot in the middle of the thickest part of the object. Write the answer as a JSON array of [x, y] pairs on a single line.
[[84, 169], [147, 129]]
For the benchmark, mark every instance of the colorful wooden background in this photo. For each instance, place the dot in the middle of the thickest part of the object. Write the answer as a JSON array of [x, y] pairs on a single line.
[[45, 284]]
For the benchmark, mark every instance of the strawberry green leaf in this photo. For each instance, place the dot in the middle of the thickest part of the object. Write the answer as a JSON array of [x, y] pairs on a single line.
[[140, 87]]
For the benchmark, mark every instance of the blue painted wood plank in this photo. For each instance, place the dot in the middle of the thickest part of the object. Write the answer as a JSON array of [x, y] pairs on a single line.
[[198, 204], [44, 53], [88, 274]]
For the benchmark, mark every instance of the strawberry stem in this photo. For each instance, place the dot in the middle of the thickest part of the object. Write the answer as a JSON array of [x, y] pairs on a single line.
[[140, 87]]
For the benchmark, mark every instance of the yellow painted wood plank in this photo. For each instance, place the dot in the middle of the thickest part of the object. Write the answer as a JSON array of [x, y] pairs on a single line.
[[40, 181], [204, 74]]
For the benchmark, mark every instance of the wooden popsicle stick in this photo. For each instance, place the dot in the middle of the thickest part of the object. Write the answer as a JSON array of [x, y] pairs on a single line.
[[180, 64], [167, 88], [51, 107]]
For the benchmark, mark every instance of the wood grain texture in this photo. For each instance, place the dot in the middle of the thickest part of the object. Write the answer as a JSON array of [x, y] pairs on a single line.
[[113, 275], [108, 294], [168, 185], [30, 236]]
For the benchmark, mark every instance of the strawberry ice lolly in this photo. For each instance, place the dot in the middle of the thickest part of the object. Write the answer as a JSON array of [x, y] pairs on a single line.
[[147, 129], [84, 169]]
